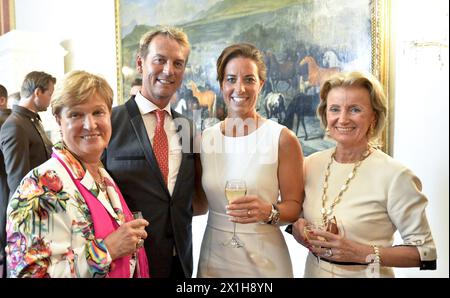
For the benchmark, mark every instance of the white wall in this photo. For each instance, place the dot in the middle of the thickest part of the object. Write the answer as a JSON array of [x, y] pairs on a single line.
[[421, 127], [85, 28], [88, 25], [421, 97]]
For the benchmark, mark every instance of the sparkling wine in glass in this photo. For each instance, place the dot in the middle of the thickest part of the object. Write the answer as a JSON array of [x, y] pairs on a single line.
[[314, 224], [234, 189]]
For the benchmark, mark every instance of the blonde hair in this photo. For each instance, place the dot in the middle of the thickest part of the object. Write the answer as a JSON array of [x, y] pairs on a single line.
[[174, 33], [77, 87], [362, 80]]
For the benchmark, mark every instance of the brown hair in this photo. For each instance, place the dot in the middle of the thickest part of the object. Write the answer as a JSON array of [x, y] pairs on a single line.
[[246, 50], [356, 79], [34, 80], [77, 87], [3, 91], [174, 33]]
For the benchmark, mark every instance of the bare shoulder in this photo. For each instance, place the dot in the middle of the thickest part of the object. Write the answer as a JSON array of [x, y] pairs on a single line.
[[288, 138]]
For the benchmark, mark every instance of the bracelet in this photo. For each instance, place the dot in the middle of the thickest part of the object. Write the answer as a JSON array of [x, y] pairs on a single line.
[[376, 250], [274, 217]]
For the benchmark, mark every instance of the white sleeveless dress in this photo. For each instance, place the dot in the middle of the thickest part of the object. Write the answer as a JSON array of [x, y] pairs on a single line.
[[253, 158]]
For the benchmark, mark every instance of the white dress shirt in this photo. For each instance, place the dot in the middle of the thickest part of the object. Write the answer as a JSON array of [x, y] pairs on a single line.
[[146, 107]]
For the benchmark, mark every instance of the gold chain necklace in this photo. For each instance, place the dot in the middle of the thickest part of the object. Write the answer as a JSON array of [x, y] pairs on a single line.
[[326, 212]]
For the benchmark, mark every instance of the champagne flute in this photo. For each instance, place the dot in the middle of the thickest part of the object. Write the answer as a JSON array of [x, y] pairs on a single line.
[[331, 226], [234, 189], [314, 224], [138, 215]]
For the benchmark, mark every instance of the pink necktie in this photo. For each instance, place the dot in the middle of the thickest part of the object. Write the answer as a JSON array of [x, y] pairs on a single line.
[[161, 145]]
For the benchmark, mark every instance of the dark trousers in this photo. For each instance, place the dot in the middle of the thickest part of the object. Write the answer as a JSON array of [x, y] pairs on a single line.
[[176, 271]]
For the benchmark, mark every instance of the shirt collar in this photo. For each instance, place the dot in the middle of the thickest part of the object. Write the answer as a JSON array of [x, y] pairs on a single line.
[[146, 106]]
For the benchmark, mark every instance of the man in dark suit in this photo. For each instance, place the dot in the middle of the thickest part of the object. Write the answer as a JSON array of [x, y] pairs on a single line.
[[23, 142], [4, 111], [150, 161]]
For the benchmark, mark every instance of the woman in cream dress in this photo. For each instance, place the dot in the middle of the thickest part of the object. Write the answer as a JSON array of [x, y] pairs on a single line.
[[369, 194], [263, 153]]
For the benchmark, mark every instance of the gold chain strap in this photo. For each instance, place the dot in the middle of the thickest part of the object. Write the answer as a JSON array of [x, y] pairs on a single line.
[[326, 212]]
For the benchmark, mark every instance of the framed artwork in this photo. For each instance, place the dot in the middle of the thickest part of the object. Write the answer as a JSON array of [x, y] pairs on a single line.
[[303, 42], [7, 16]]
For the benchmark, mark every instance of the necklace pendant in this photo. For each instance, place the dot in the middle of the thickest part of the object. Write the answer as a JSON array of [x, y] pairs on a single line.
[[329, 212], [323, 211]]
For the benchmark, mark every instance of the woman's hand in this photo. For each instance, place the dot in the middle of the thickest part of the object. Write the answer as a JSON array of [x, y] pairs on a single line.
[[124, 240], [298, 231], [249, 209], [338, 248]]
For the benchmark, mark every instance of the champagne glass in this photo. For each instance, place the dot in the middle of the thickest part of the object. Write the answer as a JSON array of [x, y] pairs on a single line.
[[314, 224], [332, 226], [234, 189], [138, 215]]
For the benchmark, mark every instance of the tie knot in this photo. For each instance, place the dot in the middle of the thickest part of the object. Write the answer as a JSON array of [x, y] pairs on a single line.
[[160, 114]]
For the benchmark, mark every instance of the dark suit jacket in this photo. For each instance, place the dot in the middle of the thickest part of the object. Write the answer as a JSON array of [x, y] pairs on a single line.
[[3, 186], [130, 160], [3, 115], [24, 146], [4, 191]]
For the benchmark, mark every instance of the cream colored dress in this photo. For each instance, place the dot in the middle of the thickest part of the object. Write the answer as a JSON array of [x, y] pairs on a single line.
[[253, 158], [383, 197]]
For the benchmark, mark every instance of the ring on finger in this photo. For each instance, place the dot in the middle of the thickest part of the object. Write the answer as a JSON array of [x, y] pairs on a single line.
[[249, 212], [140, 243], [328, 253]]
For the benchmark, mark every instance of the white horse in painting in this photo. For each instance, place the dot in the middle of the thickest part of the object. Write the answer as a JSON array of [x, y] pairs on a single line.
[[181, 106], [330, 59]]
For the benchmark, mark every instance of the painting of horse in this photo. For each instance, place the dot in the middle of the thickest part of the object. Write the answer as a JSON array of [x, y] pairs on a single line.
[[205, 98], [299, 109], [302, 42], [275, 106], [281, 71], [316, 74]]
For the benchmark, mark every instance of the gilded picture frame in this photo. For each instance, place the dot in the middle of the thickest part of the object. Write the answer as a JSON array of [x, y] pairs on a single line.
[[286, 31], [7, 16]]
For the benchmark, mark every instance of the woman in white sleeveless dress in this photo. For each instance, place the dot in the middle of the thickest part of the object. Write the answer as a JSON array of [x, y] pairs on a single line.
[[268, 157]]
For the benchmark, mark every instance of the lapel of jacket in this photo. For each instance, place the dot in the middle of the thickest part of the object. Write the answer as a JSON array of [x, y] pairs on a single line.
[[180, 177], [141, 133]]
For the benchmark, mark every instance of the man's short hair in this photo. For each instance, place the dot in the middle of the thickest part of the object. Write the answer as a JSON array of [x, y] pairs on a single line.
[[34, 80], [171, 32], [3, 91]]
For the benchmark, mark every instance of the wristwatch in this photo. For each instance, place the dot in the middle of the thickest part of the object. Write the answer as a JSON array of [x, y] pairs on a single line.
[[274, 217]]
